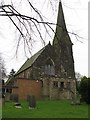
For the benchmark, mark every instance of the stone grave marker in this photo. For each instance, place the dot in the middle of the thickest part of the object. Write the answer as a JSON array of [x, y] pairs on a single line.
[[75, 100], [15, 97], [11, 97], [7, 97], [31, 102]]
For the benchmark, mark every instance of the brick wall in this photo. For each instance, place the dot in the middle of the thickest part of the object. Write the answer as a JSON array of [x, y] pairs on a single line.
[[26, 87]]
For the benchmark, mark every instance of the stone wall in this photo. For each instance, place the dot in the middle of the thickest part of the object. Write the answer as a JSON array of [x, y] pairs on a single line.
[[56, 92]]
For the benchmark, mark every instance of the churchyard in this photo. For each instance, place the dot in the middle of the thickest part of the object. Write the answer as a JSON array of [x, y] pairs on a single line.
[[45, 109]]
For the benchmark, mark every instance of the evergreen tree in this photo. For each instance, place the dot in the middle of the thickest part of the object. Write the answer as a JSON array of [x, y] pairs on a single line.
[[84, 89], [12, 73]]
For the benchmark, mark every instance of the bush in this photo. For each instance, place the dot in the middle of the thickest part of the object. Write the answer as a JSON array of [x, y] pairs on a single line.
[[84, 89]]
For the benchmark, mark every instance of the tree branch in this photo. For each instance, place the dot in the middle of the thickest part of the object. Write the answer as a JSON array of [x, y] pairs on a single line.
[[25, 26]]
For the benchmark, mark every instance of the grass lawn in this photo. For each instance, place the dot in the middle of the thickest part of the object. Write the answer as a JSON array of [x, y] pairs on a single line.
[[46, 109]]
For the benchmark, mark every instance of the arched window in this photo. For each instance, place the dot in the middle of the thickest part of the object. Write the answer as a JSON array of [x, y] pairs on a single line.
[[52, 70], [68, 85], [49, 68]]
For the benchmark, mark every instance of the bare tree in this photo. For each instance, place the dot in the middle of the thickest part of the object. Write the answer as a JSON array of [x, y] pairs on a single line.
[[28, 26], [2, 68]]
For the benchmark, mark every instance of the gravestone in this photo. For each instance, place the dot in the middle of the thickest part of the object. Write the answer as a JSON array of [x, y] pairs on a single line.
[[7, 97], [15, 97], [31, 101], [75, 100], [11, 97]]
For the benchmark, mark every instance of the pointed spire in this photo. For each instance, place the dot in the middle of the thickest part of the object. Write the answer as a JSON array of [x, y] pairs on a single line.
[[59, 0], [61, 26], [60, 19]]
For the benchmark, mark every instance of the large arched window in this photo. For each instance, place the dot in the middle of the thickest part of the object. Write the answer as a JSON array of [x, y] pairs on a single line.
[[49, 67]]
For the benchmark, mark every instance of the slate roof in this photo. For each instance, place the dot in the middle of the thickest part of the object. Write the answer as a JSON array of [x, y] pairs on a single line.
[[9, 79], [27, 64], [30, 61]]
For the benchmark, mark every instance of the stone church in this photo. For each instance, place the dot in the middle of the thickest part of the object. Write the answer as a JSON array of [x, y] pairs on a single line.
[[48, 74]]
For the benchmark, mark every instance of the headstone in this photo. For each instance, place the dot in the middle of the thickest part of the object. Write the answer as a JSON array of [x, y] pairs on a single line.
[[11, 97], [7, 97], [31, 101], [15, 97], [75, 100]]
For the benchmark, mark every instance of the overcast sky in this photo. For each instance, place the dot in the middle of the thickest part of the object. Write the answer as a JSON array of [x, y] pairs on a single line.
[[76, 17]]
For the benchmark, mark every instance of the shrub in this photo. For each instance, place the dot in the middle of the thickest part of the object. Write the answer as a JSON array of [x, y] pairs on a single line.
[[84, 89]]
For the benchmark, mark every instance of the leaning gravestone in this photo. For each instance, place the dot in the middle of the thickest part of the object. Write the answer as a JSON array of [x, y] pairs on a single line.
[[7, 97], [15, 97], [31, 101]]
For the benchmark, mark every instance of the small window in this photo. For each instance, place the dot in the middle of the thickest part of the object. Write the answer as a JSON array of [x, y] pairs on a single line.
[[10, 90], [55, 84], [7, 90], [68, 85], [15, 84], [52, 70], [49, 68], [42, 83], [24, 74], [62, 85], [46, 69]]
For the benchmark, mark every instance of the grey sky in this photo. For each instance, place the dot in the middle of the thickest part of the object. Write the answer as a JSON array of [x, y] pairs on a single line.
[[76, 17]]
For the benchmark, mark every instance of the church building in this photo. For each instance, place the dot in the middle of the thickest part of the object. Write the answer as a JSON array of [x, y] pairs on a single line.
[[48, 74]]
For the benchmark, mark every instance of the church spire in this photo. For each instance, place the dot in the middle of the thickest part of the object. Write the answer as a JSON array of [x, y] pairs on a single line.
[[63, 47], [61, 30], [59, 0]]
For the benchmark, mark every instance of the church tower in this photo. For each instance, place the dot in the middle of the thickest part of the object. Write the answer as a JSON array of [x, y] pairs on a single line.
[[63, 47]]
